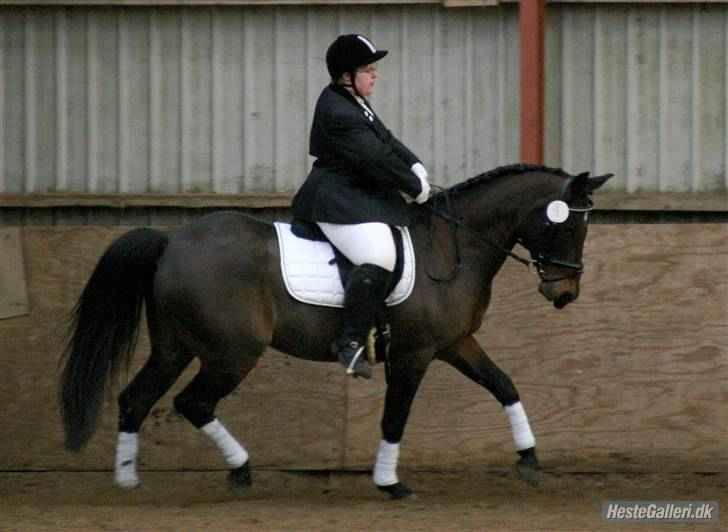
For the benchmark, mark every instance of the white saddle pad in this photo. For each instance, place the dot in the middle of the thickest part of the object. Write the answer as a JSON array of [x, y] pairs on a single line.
[[311, 277]]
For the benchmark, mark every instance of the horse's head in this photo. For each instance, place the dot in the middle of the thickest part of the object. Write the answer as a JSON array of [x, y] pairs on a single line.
[[554, 233]]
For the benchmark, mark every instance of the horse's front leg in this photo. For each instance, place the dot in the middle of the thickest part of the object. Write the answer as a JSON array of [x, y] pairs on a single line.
[[472, 361], [404, 375]]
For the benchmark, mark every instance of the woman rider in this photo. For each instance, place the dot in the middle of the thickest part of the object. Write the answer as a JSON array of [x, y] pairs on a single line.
[[362, 181]]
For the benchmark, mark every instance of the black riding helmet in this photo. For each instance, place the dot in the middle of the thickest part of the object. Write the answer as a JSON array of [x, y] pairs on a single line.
[[349, 52]]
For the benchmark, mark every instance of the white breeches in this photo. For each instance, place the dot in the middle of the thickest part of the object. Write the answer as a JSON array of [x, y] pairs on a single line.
[[368, 243]]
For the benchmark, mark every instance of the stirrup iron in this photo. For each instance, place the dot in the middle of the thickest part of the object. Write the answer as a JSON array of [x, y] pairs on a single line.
[[354, 359]]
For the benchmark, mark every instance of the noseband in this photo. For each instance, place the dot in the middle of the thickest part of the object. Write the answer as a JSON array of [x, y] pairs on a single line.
[[541, 260]]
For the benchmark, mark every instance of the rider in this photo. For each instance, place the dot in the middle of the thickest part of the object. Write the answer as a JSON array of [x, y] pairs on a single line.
[[361, 182]]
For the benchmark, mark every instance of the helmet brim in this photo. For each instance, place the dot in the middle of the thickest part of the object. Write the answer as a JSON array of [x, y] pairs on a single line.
[[379, 54]]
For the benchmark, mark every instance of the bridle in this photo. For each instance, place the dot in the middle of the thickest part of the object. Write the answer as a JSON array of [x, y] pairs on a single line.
[[539, 260], [543, 258]]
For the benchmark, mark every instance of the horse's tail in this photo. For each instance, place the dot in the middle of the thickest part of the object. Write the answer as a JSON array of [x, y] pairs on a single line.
[[104, 328]]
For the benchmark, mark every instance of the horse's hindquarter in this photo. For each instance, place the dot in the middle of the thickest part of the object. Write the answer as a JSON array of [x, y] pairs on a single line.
[[216, 278]]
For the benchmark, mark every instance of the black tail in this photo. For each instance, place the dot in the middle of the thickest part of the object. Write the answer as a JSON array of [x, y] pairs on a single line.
[[105, 327]]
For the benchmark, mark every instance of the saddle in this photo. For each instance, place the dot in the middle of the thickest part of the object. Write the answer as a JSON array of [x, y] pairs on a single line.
[[311, 231]]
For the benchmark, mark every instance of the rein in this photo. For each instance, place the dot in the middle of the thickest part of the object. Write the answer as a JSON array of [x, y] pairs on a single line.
[[458, 224]]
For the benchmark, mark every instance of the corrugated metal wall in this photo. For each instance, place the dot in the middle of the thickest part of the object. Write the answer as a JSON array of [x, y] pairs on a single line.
[[639, 90], [219, 99]]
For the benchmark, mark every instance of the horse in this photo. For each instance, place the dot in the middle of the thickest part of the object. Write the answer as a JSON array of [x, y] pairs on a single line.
[[212, 289]]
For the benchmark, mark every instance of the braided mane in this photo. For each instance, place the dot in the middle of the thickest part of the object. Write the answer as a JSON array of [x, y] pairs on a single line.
[[514, 169]]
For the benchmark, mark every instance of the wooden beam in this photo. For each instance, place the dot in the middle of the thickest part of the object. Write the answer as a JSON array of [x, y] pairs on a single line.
[[621, 201], [446, 3], [662, 201], [123, 201], [469, 3], [531, 24]]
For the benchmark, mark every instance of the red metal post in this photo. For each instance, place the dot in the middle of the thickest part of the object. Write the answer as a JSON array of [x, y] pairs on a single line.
[[531, 22]]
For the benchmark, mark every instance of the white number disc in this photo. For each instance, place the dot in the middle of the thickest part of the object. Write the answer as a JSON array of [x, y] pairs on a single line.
[[557, 211]]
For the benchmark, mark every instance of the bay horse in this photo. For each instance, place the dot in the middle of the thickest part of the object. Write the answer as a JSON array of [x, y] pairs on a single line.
[[213, 290]]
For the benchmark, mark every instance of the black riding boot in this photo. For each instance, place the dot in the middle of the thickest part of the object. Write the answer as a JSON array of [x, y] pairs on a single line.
[[364, 295]]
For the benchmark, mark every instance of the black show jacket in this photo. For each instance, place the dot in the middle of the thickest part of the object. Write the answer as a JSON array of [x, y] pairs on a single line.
[[360, 167]]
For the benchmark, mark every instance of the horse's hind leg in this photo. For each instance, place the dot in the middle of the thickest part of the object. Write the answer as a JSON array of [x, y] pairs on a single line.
[[197, 402], [136, 400], [472, 361]]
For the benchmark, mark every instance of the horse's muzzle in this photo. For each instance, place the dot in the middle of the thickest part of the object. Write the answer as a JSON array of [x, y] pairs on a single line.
[[561, 292]]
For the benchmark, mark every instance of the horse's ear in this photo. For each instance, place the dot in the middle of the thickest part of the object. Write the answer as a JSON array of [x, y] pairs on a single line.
[[582, 184], [595, 182]]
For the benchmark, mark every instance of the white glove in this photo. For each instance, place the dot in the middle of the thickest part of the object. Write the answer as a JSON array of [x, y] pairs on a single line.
[[419, 170]]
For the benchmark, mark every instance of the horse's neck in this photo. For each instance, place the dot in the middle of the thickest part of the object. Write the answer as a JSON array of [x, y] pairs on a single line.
[[498, 209]]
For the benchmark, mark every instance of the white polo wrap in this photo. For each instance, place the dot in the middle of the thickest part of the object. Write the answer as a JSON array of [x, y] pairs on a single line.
[[127, 449], [522, 435], [385, 470], [234, 453]]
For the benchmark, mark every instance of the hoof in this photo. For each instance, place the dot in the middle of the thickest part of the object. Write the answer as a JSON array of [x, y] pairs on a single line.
[[528, 468], [240, 479], [398, 491], [528, 474]]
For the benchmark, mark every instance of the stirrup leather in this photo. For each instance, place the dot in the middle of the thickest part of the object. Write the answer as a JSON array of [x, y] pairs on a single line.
[[378, 341], [372, 346]]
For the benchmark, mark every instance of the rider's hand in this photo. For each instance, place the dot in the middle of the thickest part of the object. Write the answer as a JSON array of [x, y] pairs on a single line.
[[419, 170]]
